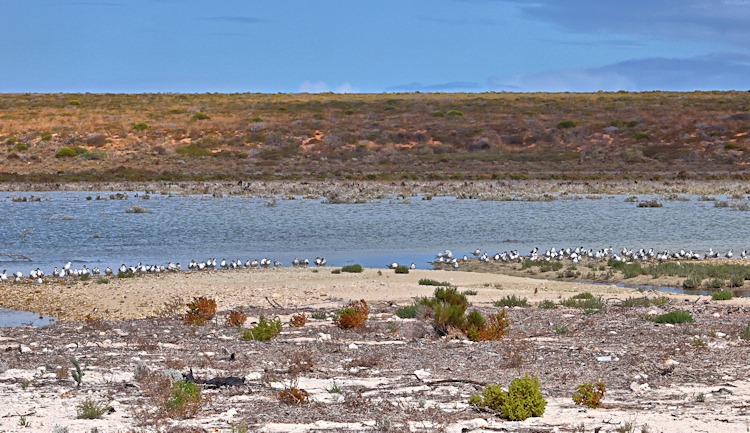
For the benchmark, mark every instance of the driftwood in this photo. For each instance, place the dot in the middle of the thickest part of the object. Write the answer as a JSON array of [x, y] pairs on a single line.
[[16, 257], [216, 382]]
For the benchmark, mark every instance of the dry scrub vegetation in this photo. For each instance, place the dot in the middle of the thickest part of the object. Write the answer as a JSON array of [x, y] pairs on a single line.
[[75, 137]]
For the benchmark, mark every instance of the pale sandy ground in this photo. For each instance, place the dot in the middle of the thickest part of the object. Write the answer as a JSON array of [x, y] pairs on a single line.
[[663, 409], [133, 298]]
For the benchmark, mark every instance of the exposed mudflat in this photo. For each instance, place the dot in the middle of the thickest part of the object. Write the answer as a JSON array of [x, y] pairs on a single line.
[[391, 375]]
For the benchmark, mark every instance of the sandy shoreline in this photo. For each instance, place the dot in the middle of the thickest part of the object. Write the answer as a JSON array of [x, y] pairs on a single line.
[[146, 295]]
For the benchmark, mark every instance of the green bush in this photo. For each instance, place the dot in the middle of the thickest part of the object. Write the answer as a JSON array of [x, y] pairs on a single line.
[[140, 126], [336, 271], [201, 116], [431, 282], [46, 136], [691, 283], [523, 399], [589, 394], [745, 333], [184, 399], [722, 295], [631, 302], [674, 317], [74, 102], [264, 330], [714, 283], [586, 301], [402, 269], [68, 152], [91, 409], [565, 124], [454, 113], [408, 312], [22, 146], [547, 304], [355, 269], [511, 301]]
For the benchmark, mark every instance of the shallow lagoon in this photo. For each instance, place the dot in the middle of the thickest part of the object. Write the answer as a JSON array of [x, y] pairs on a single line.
[[76, 227]]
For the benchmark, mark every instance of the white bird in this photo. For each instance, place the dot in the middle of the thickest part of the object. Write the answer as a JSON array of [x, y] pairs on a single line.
[[393, 265], [413, 266], [295, 262], [4, 276]]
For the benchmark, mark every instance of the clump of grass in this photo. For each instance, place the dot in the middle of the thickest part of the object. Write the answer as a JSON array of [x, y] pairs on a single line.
[[589, 394], [201, 116], [714, 283], [355, 269], [493, 327], [674, 317], [470, 292], [264, 330], [544, 266], [547, 304], [91, 409], [511, 301], [140, 126], [431, 282], [632, 302], [353, 315], [319, 315], [408, 312], [745, 333], [70, 152], [454, 113], [200, 311], [722, 295], [691, 283], [566, 124], [523, 399], [184, 400], [193, 150], [586, 301]]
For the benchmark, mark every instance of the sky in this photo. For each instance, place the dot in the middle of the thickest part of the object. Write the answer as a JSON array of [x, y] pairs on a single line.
[[365, 46]]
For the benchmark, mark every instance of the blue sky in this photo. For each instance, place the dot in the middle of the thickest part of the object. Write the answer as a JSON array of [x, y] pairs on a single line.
[[373, 46]]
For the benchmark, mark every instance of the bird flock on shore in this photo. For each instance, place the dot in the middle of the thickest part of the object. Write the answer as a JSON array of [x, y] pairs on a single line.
[[446, 257], [68, 271]]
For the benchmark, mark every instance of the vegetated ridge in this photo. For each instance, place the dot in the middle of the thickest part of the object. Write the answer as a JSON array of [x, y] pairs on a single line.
[[139, 137]]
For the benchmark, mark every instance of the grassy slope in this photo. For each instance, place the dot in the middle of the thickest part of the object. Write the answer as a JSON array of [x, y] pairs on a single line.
[[390, 136]]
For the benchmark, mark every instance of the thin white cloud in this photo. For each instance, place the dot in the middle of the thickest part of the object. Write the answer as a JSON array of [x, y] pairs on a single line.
[[323, 87]]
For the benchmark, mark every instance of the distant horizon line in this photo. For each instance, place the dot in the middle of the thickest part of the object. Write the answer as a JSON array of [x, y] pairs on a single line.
[[416, 92]]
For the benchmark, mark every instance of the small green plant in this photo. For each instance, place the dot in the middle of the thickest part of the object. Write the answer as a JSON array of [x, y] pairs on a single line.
[[102, 281], [454, 113], [589, 394], [193, 150], [74, 102], [140, 126], [691, 283], [402, 269], [408, 312], [77, 373], [585, 301], [334, 389], [470, 292], [722, 295], [674, 317], [511, 301], [566, 124], [523, 399], [632, 302], [547, 304], [698, 342], [23, 421], [356, 268], [201, 116], [319, 315], [560, 330], [264, 330], [700, 398], [69, 152], [184, 400], [91, 409], [46, 136], [22, 146], [714, 283], [336, 271], [745, 333], [431, 282]]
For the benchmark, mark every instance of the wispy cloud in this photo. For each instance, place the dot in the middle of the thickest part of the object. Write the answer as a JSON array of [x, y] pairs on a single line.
[[715, 72], [323, 87], [452, 86], [94, 3]]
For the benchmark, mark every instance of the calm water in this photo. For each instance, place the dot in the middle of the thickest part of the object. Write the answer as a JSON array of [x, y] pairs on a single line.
[[65, 226]]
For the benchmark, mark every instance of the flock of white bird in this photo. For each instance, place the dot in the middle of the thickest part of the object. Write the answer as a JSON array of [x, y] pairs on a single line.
[[67, 271], [574, 255]]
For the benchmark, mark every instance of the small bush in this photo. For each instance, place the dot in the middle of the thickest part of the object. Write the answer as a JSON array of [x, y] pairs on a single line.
[[201, 116], [431, 282], [336, 271], [494, 327], [585, 301], [200, 311], [454, 113], [193, 150], [264, 330], [355, 269], [722, 295], [523, 399], [511, 301], [566, 124], [298, 320], [547, 304], [407, 312], [21, 147], [74, 102], [714, 283], [470, 292], [353, 315], [402, 269], [294, 395], [674, 317], [589, 395], [236, 319], [69, 152], [91, 409], [140, 126], [631, 302], [46, 136], [184, 400], [319, 315], [691, 282], [745, 333]]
